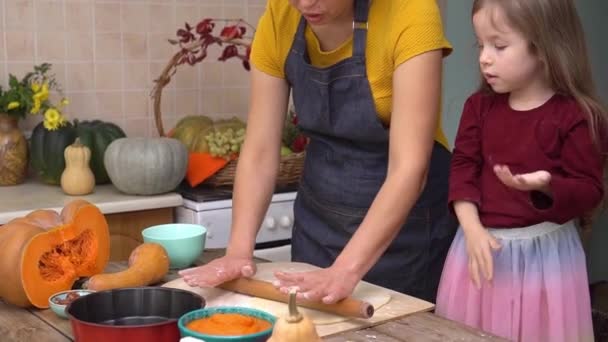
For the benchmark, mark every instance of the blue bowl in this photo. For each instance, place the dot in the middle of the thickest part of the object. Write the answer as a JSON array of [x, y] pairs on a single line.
[[183, 242], [59, 309], [206, 312]]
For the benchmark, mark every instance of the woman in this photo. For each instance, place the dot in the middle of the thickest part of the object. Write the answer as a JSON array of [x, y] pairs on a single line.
[[365, 77]]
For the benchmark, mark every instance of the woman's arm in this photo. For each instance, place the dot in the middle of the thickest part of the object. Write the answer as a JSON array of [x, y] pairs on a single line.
[[416, 94], [258, 163]]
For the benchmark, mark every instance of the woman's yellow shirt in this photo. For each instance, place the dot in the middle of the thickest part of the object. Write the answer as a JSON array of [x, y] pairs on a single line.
[[397, 30]]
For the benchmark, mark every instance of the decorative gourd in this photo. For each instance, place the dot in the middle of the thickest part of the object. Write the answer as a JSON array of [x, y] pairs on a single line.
[[148, 264], [77, 178], [146, 166], [47, 148], [295, 327], [192, 132], [46, 252]]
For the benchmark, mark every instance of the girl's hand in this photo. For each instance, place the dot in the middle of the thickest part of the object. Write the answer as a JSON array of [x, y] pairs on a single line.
[[328, 285], [480, 245], [538, 180], [218, 271]]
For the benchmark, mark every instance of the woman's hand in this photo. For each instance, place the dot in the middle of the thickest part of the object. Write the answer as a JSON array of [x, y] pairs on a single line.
[[219, 271], [480, 245], [538, 180], [327, 285]]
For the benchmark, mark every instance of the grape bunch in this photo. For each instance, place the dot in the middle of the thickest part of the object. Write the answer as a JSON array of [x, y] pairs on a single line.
[[225, 143]]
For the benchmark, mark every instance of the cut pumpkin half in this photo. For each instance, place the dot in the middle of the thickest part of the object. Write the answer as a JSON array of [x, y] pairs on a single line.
[[46, 252]]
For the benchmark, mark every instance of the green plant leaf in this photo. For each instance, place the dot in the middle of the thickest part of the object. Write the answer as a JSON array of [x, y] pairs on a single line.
[[13, 82]]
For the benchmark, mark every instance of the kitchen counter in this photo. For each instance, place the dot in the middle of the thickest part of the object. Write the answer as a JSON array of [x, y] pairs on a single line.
[[19, 200], [18, 324], [127, 215]]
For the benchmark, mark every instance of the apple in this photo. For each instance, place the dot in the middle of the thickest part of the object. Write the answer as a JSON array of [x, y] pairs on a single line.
[[285, 151]]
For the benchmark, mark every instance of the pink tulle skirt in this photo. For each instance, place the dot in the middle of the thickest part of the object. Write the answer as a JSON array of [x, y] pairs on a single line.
[[539, 291]]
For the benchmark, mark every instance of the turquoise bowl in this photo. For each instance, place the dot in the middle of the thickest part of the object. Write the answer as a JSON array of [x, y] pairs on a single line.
[[206, 312], [183, 242], [59, 309]]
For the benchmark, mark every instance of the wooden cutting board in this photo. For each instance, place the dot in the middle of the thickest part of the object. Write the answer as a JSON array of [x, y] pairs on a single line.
[[399, 305]]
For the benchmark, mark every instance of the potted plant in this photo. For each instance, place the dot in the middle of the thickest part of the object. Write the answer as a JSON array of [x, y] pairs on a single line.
[[30, 95]]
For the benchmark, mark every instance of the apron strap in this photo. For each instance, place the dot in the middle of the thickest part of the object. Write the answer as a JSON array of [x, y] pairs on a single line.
[[360, 27], [300, 38]]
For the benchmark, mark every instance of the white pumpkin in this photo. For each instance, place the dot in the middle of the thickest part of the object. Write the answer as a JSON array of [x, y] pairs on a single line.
[[146, 166]]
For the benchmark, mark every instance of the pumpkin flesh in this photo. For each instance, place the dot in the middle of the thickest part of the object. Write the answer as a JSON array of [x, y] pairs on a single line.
[[52, 260]]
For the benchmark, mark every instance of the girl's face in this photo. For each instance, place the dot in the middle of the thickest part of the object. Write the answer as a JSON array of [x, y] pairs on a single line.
[[321, 12], [505, 58]]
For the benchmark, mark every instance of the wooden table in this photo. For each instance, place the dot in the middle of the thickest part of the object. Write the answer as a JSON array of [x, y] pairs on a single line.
[[24, 325]]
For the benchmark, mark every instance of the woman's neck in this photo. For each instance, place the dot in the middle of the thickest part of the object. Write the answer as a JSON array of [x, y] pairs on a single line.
[[335, 33]]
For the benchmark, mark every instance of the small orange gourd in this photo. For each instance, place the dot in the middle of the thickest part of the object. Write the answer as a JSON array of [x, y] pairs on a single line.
[[148, 264], [46, 252], [77, 177], [295, 326]]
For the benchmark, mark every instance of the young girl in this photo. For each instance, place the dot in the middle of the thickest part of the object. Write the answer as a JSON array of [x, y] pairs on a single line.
[[527, 163]]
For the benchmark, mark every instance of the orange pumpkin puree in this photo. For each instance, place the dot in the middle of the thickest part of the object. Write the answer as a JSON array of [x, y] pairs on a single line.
[[228, 324]]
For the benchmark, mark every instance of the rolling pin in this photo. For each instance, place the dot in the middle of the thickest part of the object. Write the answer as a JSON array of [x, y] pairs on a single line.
[[348, 307]]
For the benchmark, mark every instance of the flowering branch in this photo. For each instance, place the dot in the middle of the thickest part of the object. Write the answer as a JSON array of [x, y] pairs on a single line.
[[194, 48], [194, 41]]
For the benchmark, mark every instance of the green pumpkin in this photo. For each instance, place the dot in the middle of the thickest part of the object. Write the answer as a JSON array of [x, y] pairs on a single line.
[[146, 166], [192, 130], [47, 148]]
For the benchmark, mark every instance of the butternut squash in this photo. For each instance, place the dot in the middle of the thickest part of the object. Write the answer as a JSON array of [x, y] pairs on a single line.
[[46, 252], [148, 264], [295, 326], [77, 177]]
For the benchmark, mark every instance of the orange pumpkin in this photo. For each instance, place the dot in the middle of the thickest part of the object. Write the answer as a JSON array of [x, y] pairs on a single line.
[[46, 252]]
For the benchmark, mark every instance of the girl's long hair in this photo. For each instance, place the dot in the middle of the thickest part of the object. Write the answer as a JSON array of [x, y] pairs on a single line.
[[556, 36]]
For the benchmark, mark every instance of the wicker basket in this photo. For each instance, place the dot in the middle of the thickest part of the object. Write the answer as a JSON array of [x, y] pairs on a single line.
[[290, 170], [290, 167]]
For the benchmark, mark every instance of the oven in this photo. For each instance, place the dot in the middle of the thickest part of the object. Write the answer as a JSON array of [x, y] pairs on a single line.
[[212, 208]]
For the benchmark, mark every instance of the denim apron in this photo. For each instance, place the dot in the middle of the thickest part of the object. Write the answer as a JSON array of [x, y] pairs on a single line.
[[346, 164]]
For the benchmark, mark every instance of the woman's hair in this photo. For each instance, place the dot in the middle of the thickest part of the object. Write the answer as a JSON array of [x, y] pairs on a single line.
[[556, 36]]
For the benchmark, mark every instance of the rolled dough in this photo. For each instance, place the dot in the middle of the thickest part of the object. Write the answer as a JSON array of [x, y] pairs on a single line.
[[265, 271]]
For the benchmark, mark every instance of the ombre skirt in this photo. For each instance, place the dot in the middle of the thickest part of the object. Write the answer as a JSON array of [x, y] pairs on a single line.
[[539, 291]]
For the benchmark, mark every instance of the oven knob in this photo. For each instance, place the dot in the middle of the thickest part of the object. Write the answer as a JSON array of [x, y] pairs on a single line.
[[285, 221], [209, 234], [270, 223]]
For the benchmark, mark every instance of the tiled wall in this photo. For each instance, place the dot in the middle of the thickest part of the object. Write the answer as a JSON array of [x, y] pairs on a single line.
[[106, 54]]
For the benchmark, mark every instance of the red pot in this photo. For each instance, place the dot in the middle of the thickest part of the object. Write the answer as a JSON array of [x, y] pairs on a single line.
[[146, 314]]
